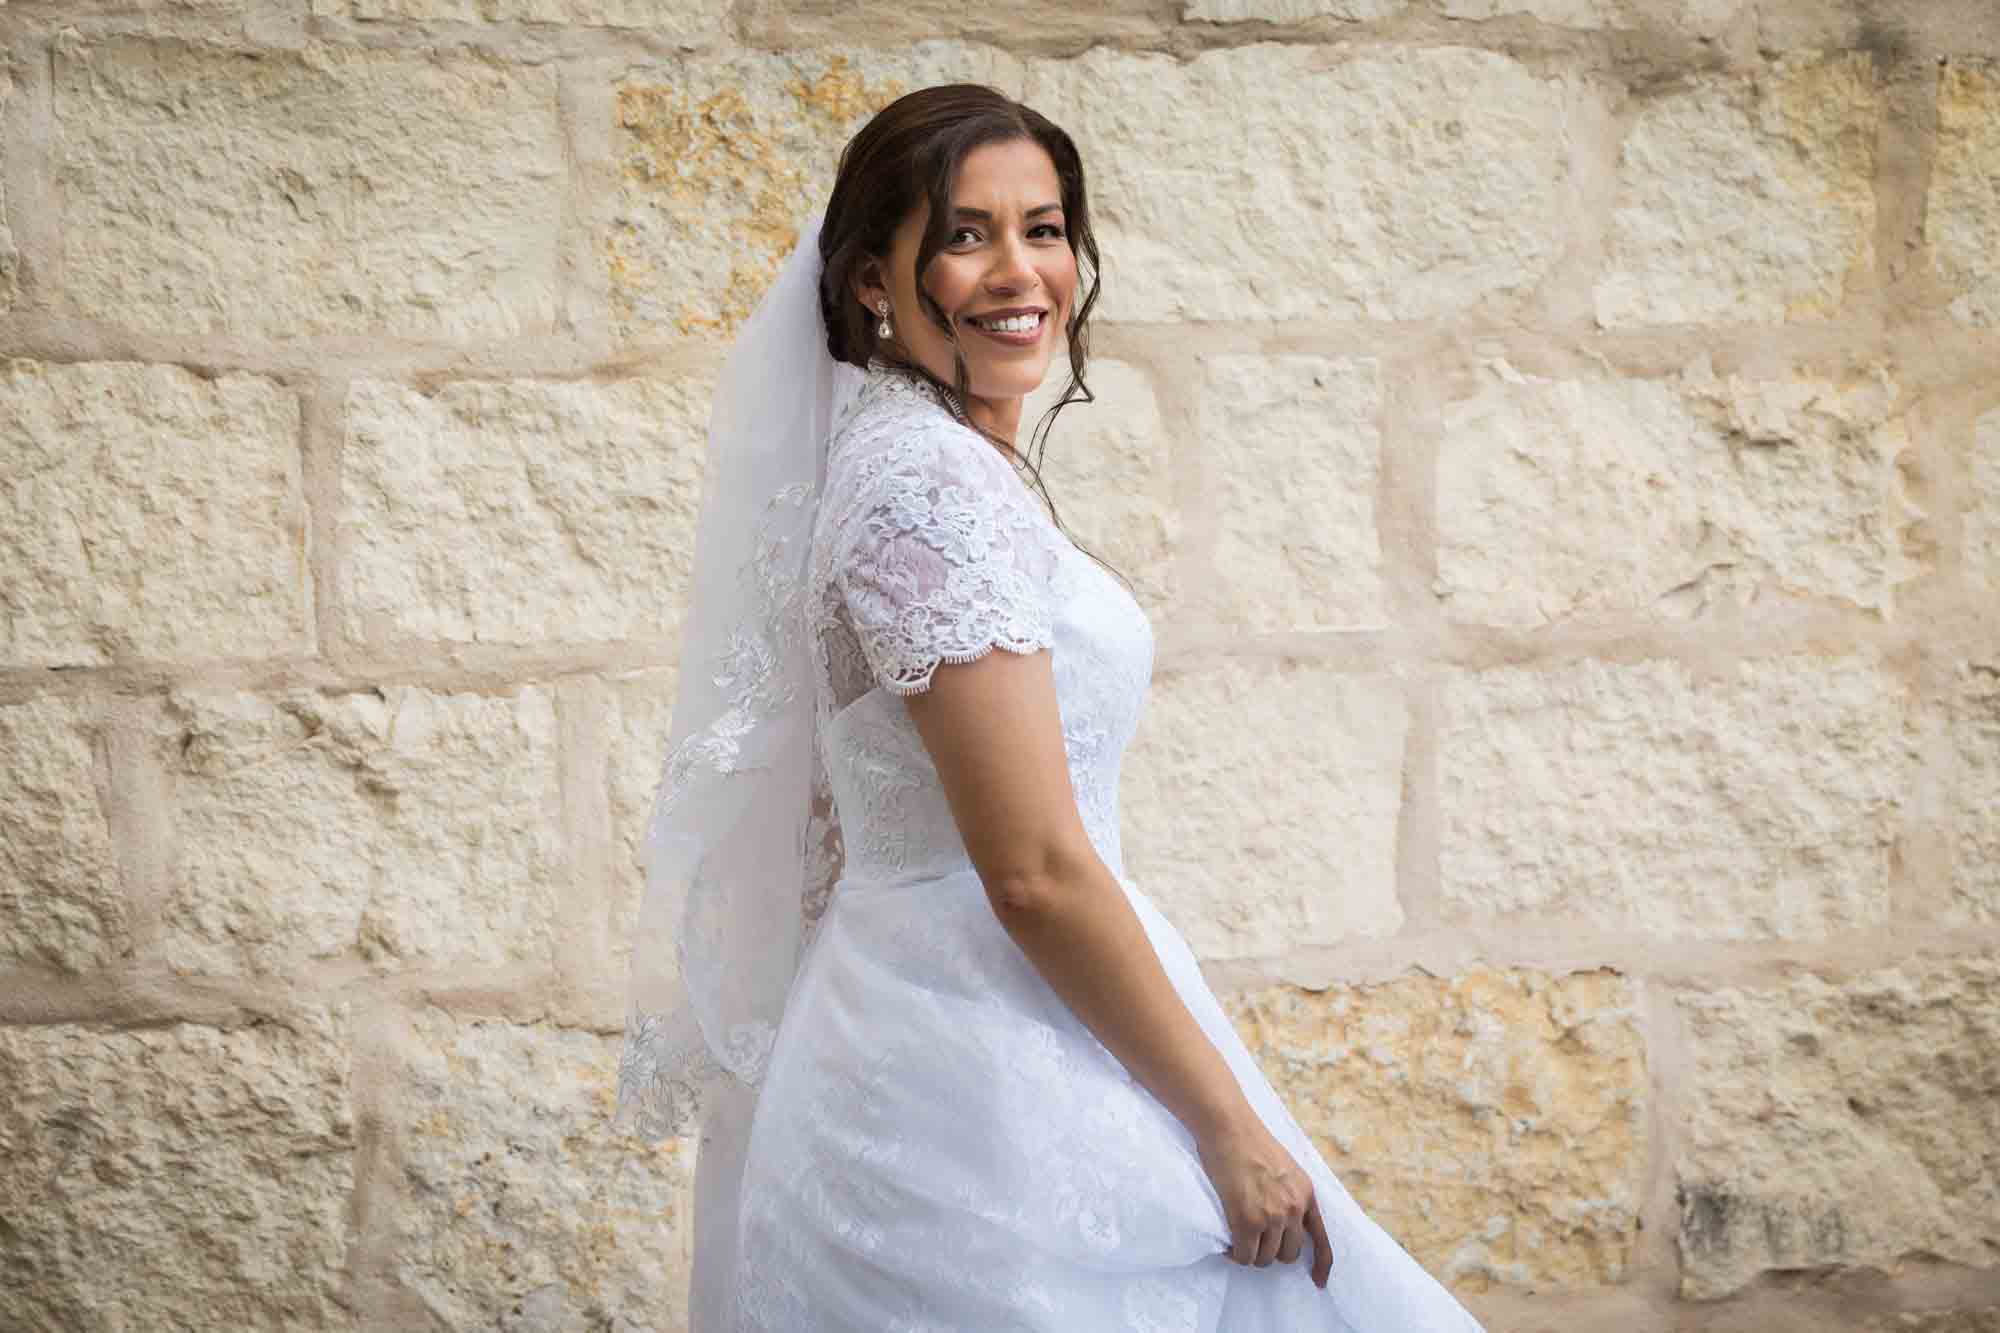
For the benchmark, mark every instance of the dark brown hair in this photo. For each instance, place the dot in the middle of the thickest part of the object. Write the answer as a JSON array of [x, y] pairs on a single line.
[[909, 153]]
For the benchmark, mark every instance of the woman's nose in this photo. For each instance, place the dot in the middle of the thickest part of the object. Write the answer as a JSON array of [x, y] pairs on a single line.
[[1011, 270]]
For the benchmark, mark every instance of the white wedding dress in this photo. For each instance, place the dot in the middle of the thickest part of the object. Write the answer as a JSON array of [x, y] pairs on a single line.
[[938, 1142]]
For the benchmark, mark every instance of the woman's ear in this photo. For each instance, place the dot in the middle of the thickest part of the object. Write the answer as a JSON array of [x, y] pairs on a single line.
[[868, 285]]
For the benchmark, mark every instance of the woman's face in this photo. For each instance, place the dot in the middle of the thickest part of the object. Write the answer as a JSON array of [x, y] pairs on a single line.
[[1008, 256]]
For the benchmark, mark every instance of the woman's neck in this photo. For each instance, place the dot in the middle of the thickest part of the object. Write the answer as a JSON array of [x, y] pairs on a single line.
[[998, 417]]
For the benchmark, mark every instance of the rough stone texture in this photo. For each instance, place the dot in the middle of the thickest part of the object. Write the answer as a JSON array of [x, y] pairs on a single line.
[[10, 258], [1574, 497], [1276, 831], [199, 8], [1747, 200], [1494, 1123], [520, 1208], [1290, 455], [642, 706], [1961, 225], [1279, 182], [889, 25], [175, 1177], [1110, 466], [688, 22], [1982, 517], [282, 194], [397, 825], [719, 159], [1975, 793], [61, 902], [1763, 803], [519, 512], [180, 527], [1850, 1124], [1697, 18], [1289, 11], [1938, 1321]]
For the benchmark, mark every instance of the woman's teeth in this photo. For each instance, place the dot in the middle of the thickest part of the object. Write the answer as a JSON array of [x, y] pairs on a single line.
[[1012, 324]]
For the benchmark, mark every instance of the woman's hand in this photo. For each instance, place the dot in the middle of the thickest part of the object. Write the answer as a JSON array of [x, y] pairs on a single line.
[[1266, 1197]]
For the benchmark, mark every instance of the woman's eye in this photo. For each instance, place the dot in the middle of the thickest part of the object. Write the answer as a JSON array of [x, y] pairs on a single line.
[[967, 236]]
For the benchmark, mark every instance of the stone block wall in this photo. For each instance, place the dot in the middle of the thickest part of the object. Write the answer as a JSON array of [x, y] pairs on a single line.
[[1558, 443]]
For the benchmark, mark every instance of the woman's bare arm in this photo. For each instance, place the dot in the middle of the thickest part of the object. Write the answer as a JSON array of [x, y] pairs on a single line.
[[994, 732]]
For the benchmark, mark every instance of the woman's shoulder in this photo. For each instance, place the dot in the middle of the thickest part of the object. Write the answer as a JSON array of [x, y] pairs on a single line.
[[903, 467], [898, 432]]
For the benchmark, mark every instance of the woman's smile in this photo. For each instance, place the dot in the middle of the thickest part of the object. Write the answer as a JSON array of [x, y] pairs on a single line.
[[1016, 329]]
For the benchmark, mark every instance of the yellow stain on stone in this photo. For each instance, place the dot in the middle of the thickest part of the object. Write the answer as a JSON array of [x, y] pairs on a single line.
[[1965, 179], [1494, 1122], [1968, 95], [729, 174], [1830, 109]]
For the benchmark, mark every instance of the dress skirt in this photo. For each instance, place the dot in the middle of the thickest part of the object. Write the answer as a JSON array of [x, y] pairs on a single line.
[[941, 1144]]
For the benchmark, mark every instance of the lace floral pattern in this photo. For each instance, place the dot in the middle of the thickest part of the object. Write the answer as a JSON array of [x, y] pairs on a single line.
[[666, 1059], [930, 550]]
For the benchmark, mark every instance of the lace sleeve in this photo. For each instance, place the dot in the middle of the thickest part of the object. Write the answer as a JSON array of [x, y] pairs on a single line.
[[950, 558]]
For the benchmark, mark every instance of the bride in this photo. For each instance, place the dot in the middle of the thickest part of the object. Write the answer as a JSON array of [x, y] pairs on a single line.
[[952, 1068]]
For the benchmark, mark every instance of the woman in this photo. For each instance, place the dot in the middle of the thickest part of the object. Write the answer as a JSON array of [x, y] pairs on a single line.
[[995, 1092]]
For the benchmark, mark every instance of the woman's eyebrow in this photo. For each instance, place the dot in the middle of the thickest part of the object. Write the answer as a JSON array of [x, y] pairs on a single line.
[[981, 215]]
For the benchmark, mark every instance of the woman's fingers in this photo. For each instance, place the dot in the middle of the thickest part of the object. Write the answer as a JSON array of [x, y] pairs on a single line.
[[1267, 1245], [1267, 1199], [1322, 1248]]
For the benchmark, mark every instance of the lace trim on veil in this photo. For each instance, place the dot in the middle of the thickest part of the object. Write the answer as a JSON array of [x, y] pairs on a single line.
[[666, 1059]]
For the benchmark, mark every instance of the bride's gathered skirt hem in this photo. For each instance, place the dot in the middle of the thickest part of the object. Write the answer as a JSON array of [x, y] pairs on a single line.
[[940, 1144]]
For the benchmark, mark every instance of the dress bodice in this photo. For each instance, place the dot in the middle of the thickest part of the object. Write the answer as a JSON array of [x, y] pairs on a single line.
[[930, 549]]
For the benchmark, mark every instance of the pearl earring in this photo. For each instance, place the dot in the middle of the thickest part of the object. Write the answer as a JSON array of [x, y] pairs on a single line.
[[884, 332]]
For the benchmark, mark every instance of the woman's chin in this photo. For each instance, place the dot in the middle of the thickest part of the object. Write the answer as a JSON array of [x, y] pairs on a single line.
[[1015, 379]]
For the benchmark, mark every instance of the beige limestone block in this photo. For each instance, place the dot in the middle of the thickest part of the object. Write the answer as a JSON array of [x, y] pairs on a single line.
[[336, 189], [1695, 18], [1283, 181], [1975, 793], [687, 22], [398, 825], [1289, 11], [1982, 517], [1961, 224], [520, 1206], [642, 706], [176, 1177], [1494, 1123], [519, 512], [1109, 465], [1841, 1124], [1761, 803], [61, 903], [719, 160], [1290, 457], [1746, 199], [1562, 498], [1260, 802], [146, 512]]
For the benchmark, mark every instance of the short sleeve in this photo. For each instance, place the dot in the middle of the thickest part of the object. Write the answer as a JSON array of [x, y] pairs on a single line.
[[950, 558]]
